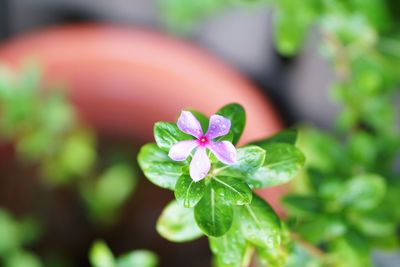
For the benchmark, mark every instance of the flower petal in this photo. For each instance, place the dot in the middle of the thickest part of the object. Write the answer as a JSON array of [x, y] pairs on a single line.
[[188, 123], [225, 151], [200, 164], [181, 150], [218, 126]]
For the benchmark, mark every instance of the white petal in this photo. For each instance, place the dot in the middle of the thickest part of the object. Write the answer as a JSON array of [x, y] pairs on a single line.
[[188, 123], [219, 126], [225, 151], [181, 150], [200, 164]]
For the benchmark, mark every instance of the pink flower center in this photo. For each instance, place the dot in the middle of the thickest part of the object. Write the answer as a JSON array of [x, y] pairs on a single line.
[[203, 141]]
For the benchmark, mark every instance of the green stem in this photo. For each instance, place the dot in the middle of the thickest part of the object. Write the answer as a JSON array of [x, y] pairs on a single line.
[[248, 256]]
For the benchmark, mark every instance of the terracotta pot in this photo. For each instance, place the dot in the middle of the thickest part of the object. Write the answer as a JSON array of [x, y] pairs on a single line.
[[123, 80]]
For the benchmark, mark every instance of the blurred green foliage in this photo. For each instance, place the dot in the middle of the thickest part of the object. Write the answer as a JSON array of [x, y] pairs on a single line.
[[101, 256], [345, 203], [46, 133], [15, 236]]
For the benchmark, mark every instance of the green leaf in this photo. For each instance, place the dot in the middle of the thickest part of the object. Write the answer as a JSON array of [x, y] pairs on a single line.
[[288, 136], [302, 205], [101, 255], [260, 224], [142, 258], [249, 159], [300, 256], [189, 192], [177, 223], [350, 250], [282, 163], [9, 233], [158, 167], [167, 134], [213, 215], [229, 250], [22, 258], [363, 192], [374, 223], [236, 114], [107, 194], [322, 228], [231, 189]]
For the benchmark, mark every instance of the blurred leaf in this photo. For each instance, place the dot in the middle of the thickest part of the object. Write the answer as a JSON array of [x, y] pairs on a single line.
[[101, 255], [300, 257], [22, 259], [177, 223], [78, 153], [282, 162], [351, 250], [105, 195], [363, 192], [374, 223], [302, 205], [213, 215], [322, 228], [142, 258], [29, 230], [286, 136], [10, 239]]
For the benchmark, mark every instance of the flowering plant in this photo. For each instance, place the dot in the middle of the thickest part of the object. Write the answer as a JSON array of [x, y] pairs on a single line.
[[213, 182]]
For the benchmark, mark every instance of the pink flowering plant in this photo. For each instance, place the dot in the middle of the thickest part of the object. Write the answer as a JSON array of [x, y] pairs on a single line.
[[213, 183]]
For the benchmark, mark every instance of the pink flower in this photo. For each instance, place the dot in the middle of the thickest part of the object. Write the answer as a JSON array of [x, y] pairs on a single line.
[[200, 164]]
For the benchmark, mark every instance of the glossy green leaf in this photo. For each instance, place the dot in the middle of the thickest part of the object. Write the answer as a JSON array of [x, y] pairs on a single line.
[[142, 258], [213, 215], [288, 136], [101, 255], [236, 114], [229, 250], [260, 224], [249, 159], [234, 190], [158, 167], [166, 134], [189, 192], [177, 223], [281, 164], [363, 192]]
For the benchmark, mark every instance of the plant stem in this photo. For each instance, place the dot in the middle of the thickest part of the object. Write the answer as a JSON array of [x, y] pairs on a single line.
[[248, 256]]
